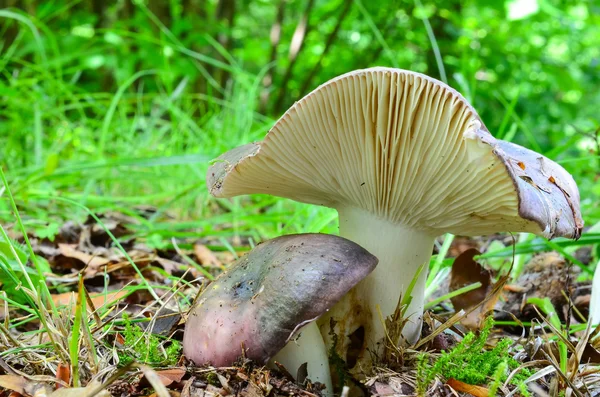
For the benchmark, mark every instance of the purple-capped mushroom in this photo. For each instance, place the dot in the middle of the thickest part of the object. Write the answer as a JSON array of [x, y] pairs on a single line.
[[404, 158], [271, 294]]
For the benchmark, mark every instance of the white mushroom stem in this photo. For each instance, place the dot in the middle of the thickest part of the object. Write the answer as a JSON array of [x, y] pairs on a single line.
[[594, 317], [401, 251], [307, 348]]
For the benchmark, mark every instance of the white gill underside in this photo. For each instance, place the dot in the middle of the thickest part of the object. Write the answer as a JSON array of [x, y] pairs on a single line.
[[394, 144]]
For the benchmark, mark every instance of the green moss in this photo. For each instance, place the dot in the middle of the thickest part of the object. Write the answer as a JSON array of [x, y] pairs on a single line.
[[213, 379], [470, 363], [147, 348]]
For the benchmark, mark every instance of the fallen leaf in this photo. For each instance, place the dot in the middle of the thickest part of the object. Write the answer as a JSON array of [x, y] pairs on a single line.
[[13, 382], [93, 263], [99, 300], [23, 386], [590, 355], [170, 266], [205, 256], [172, 375], [89, 391], [473, 390], [155, 381], [466, 271]]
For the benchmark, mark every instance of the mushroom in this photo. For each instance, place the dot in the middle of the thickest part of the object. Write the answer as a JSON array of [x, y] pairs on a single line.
[[270, 295], [403, 158]]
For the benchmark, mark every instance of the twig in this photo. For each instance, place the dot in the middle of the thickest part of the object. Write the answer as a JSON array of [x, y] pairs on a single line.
[[330, 40], [275, 37], [296, 47]]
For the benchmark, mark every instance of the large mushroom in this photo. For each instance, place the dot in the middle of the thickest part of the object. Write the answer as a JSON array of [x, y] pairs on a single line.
[[270, 297], [403, 158]]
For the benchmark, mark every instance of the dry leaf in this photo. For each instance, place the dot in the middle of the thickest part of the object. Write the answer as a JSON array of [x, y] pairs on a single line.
[[92, 263], [89, 391], [155, 381], [99, 300], [13, 382], [22, 386], [205, 256], [172, 375], [473, 390], [466, 271], [168, 265], [590, 355]]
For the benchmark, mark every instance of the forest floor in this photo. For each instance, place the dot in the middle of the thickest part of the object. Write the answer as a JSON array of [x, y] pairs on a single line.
[[112, 318]]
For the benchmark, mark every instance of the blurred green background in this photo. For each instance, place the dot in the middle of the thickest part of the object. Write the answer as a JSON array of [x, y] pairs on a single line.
[[117, 105]]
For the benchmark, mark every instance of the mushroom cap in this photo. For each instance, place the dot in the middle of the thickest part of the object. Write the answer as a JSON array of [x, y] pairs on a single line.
[[408, 149], [270, 293]]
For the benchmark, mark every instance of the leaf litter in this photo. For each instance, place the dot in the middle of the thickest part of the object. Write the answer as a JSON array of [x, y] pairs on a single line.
[[114, 297]]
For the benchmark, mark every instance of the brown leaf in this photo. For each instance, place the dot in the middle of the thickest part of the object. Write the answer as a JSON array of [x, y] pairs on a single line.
[[205, 256], [13, 382], [528, 179], [478, 302], [22, 386], [93, 263], [99, 300], [466, 271], [171, 375], [155, 381], [169, 265], [590, 355], [473, 390]]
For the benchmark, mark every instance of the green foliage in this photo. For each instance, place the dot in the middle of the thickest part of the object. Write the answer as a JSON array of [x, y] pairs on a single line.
[[147, 348], [12, 274], [125, 103], [470, 363]]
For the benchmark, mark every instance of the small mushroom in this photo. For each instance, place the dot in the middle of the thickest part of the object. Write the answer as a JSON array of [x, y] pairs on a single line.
[[269, 295], [404, 158]]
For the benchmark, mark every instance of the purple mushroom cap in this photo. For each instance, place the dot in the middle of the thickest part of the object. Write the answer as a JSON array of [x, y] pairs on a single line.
[[269, 294]]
